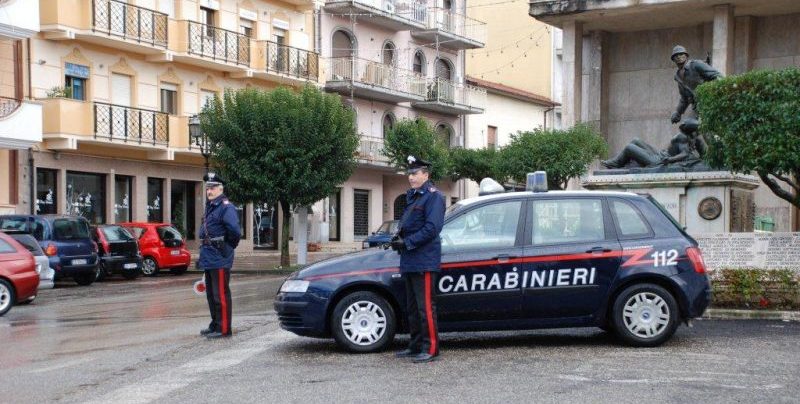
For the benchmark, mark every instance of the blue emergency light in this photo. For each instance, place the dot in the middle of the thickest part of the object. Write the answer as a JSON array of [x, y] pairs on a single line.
[[537, 182]]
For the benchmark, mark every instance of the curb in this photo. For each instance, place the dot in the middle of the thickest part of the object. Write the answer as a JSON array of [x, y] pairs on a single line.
[[735, 314]]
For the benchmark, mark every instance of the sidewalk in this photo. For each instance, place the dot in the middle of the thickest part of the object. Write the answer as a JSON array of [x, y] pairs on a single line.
[[267, 261]]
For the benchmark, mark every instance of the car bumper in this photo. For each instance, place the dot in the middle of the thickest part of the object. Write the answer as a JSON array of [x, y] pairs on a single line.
[[25, 284], [118, 265], [300, 314], [697, 293]]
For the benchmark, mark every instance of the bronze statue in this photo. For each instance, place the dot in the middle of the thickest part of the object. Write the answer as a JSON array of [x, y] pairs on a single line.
[[685, 150], [690, 74]]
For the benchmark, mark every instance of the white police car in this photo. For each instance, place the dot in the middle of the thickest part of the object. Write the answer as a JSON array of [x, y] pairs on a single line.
[[519, 260]]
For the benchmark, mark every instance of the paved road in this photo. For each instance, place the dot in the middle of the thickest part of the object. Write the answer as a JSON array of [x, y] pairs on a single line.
[[137, 342]]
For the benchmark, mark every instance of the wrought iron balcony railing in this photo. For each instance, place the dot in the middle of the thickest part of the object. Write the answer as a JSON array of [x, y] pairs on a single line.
[[457, 24], [8, 106], [218, 44], [413, 10], [448, 92], [117, 18], [376, 74], [127, 124], [292, 61], [371, 149]]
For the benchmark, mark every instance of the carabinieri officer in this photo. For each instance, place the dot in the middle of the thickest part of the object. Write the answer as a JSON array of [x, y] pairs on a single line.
[[220, 235], [420, 250]]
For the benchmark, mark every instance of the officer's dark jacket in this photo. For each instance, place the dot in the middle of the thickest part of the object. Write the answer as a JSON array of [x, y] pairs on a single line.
[[695, 73], [220, 220], [420, 226]]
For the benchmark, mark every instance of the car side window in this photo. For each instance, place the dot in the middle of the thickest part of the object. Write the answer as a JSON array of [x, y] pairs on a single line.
[[629, 222], [567, 221], [488, 226], [6, 248]]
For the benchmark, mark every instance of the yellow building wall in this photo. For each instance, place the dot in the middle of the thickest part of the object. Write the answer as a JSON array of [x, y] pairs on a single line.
[[518, 51], [5, 180], [7, 68]]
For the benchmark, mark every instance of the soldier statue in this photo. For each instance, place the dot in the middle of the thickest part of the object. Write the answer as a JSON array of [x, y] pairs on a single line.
[[690, 74]]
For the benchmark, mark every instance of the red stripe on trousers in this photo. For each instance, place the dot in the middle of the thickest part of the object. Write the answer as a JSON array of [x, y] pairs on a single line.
[[429, 311], [223, 301]]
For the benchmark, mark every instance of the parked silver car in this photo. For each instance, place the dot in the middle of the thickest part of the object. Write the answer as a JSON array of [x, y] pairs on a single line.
[[46, 274]]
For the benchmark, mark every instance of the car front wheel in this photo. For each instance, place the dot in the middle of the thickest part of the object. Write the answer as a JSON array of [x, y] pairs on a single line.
[[6, 297], [363, 322], [645, 315], [149, 266]]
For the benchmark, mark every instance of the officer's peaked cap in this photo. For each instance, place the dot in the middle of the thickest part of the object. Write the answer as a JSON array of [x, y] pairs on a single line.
[[415, 164], [213, 179]]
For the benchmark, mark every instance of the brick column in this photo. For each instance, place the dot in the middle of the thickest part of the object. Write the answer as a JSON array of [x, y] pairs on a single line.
[[572, 73]]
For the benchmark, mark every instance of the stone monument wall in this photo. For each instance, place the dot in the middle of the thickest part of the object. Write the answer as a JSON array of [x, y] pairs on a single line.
[[760, 250]]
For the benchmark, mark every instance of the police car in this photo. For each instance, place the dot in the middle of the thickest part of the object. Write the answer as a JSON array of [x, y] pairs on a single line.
[[518, 260]]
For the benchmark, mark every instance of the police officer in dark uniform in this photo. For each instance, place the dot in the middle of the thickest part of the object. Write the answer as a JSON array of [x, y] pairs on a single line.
[[220, 235], [420, 250]]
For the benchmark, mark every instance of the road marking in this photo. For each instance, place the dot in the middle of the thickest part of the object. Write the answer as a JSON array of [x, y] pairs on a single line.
[[159, 385], [61, 365]]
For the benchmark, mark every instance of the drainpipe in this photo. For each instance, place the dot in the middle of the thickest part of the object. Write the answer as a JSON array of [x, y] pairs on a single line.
[[31, 182], [544, 126]]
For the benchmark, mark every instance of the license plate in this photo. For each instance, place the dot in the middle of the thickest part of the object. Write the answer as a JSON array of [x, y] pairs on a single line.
[[130, 265], [175, 252], [79, 262]]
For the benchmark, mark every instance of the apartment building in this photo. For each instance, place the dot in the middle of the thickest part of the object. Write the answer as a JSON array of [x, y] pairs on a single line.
[[118, 81], [390, 60], [20, 116]]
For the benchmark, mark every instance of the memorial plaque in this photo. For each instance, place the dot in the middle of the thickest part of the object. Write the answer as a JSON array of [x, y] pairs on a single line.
[[743, 211], [709, 208]]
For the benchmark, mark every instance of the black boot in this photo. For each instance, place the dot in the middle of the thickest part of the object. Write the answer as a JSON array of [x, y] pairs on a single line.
[[406, 353]]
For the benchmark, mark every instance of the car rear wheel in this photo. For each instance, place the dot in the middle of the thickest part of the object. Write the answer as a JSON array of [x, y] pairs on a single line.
[[363, 322], [85, 278], [100, 272], [7, 297], [645, 315], [149, 266], [179, 270]]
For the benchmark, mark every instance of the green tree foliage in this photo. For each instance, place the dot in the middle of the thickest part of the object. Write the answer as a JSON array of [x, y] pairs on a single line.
[[475, 164], [282, 146], [564, 154], [416, 137], [752, 124]]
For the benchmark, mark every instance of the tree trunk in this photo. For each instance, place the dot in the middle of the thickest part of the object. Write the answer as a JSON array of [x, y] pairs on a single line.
[[287, 216]]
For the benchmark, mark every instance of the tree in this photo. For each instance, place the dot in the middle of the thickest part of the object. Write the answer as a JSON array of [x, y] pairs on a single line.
[[281, 146], [475, 164], [752, 124], [564, 154], [416, 137]]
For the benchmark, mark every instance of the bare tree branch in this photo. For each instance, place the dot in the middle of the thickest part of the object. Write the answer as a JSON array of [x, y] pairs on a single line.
[[778, 190]]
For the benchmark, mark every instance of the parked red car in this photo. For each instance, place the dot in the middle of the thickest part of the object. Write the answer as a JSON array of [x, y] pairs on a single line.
[[161, 246], [18, 277]]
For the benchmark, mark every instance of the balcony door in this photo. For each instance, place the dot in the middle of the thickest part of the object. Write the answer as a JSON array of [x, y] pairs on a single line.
[[121, 120], [342, 53]]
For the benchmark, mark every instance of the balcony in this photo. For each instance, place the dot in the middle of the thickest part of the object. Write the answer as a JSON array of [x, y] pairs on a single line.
[[69, 123], [282, 62], [19, 19], [396, 15], [370, 151], [373, 80], [447, 97], [111, 23], [20, 123], [212, 47], [453, 31]]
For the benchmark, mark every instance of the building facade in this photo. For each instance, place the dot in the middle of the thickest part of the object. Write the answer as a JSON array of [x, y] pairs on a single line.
[[617, 71]]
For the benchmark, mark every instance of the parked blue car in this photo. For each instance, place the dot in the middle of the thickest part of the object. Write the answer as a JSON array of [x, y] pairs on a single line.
[[383, 235], [66, 241]]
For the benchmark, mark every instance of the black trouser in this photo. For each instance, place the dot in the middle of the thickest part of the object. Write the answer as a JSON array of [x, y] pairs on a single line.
[[421, 309], [218, 293]]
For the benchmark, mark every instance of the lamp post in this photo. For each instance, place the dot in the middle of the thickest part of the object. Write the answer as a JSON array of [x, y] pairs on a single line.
[[199, 138]]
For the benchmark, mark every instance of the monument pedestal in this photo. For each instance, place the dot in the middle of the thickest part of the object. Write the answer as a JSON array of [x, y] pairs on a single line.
[[702, 201]]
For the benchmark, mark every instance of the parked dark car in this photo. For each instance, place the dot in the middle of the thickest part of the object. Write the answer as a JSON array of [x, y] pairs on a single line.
[[119, 252], [382, 236], [18, 277], [66, 241]]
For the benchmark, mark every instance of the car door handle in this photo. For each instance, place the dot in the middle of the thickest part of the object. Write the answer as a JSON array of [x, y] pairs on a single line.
[[598, 250], [504, 258]]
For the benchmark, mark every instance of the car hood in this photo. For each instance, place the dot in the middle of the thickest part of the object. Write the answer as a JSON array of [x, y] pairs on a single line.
[[376, 258]]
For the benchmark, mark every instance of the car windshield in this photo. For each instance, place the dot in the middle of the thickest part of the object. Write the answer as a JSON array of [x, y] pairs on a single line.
[[70, 229], [116, 233], [30, 243], [388, 227], [16, 223], [168, 233], [453, 209]]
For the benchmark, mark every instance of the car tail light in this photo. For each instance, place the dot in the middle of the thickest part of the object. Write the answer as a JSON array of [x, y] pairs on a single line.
[[51, 250], [103, 241], [697, 259]]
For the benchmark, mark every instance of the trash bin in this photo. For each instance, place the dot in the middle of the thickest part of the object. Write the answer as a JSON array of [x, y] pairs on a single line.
[[764, 223]]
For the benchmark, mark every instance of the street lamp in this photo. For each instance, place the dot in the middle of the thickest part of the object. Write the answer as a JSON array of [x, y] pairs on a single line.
[[199, 138]]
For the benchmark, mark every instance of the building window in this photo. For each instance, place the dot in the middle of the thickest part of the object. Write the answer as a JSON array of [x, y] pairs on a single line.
[[169, 98], [399, 206], [246, 27], [182, 206], [388, 54], [46, 187], [388, 123], [334, 219], [444, 69], [445, 133], [123, 191], [343, 45], [419, 63], [155, 197], [491, 137], [360, 212], [206, 97], [207, 18], [265, 222], [86, 196], [75, 78]]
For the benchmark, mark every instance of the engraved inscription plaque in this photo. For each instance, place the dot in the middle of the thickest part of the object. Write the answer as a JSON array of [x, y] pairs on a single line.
[[742, 211]]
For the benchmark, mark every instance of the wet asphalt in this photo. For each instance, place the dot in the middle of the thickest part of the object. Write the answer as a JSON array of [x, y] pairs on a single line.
[[130, 342]]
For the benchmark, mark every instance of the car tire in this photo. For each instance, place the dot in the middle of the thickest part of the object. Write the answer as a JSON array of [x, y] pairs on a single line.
[[85, 278], [7, 297], [149, 266], [179, 270], [363, 322], [131, 274], [100, 272], [645, 315]]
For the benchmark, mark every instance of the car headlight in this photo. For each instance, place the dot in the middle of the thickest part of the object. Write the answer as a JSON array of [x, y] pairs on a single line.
[[294, 286]]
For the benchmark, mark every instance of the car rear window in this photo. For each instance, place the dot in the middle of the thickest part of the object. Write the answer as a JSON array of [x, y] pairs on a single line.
[[168, 233], [70, 229], [137, 232], [116, 233], [30, 243], [629, 221], [6, 248]]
